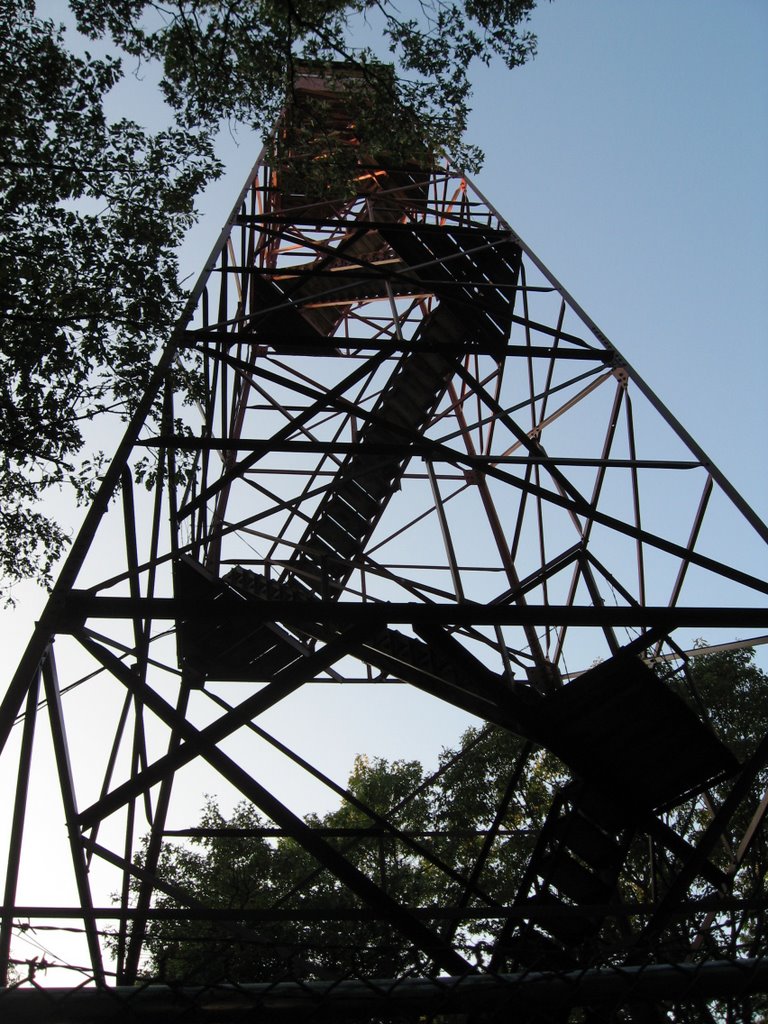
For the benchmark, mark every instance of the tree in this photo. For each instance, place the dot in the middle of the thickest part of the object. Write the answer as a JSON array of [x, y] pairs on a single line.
[[91, 213], [92, 210], [442, 822], [227, 59]]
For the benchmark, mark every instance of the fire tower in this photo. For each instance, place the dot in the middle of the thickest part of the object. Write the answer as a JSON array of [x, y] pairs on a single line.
[[412, 462]]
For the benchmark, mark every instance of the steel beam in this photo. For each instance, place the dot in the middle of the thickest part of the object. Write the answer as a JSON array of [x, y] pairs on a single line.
[[83, 605], [525, 995]]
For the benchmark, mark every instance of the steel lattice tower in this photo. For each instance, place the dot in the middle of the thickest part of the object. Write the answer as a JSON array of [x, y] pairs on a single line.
[[413, 459]]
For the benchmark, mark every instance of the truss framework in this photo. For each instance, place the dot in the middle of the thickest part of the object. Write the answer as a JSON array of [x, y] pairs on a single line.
[[413, 459]]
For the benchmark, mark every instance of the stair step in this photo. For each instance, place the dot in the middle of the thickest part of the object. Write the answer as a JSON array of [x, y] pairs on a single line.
[[354, 492], [347, 517], [430, 369], [373, 477], [341, 543], [390, 431], [565, 922], [420, 384], [320, 552], [573, 880], [404, 412], [587, 841]]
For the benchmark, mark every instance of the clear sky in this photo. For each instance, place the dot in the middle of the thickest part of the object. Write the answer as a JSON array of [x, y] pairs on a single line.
[[632, 156]]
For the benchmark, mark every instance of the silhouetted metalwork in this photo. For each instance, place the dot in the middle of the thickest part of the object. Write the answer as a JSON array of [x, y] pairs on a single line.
[[413, 459]]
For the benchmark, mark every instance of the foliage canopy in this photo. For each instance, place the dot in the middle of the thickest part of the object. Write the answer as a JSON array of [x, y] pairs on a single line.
[[91, 213]]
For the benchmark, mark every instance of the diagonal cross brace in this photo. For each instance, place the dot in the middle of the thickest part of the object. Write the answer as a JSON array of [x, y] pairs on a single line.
[[573, 503], [444, 956], [286, 681]]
